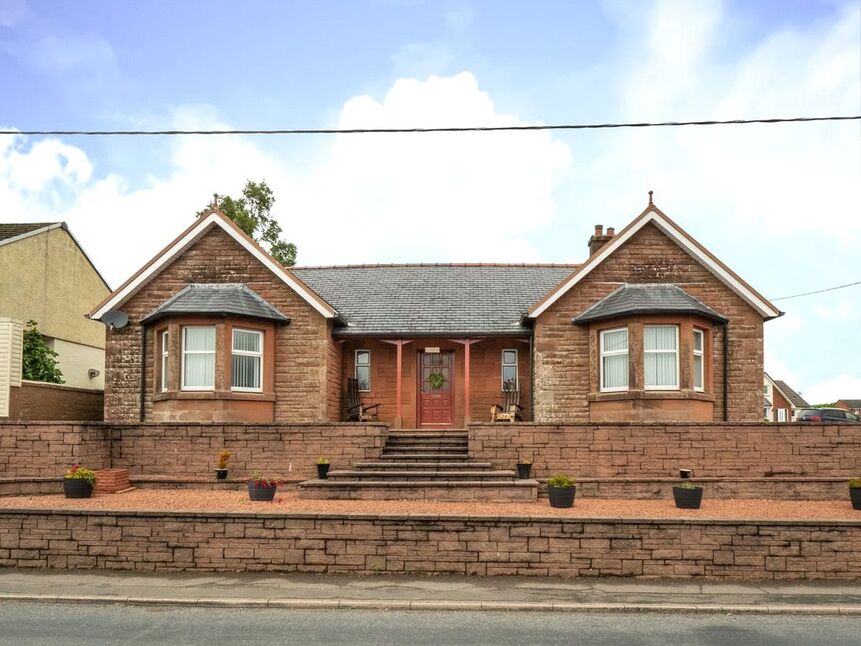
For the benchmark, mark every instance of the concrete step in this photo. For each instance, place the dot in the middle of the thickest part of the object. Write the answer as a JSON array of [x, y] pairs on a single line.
[[426, 434], [463, 475], [442, 490], [430, 448], [429, 464], [425, 457]]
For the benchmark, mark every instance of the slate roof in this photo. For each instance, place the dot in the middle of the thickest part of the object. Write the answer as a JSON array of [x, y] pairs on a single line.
[[432, 299], [233, 299], [646, 299], [13, 229], [794, 398]]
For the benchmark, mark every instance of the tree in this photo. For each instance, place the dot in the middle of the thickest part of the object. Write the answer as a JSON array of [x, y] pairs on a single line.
[[40, 361], [252, 213]]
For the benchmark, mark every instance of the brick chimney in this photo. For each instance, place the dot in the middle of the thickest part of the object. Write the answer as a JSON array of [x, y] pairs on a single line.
[[600, 239]]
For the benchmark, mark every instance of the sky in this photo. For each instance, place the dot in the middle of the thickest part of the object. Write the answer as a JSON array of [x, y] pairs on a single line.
[[780, 204]]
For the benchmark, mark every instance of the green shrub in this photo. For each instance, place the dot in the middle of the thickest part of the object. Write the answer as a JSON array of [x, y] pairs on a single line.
[[78, 472], [560, 481], [687, 484], [322, 460], [855, 483]]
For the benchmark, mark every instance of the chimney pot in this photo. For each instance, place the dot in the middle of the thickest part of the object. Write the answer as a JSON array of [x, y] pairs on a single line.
[[611, 231], [599, 229]]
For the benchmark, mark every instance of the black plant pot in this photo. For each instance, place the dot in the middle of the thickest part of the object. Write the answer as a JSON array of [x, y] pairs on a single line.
[[523, 470], [77, 488], [221, 474], [265, 494], [688, 498], [561, 497], [323, 471], [855, 497]]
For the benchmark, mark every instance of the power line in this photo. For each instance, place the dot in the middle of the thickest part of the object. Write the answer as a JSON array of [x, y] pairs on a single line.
[[362, 131], [818, 291]]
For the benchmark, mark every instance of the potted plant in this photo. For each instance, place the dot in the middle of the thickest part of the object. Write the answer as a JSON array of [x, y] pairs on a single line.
[[688, 495], [261, 488], [561, 490], [221, 471], [524, 466], [855, 492], [79, 482], [322, 468]]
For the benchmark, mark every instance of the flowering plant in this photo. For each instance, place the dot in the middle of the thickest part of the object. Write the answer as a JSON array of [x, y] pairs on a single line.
[[524, 459], [260, 480], [322, 460], [223, 457], [77, 472]]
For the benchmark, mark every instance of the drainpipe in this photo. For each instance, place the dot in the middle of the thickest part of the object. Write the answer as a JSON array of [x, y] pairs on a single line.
[[531, 377], [726, 371], [143, 369]]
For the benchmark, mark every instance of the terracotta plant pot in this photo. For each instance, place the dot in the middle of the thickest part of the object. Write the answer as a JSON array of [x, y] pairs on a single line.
[[262, 494], [523, 470], [323, 471], [77, 488], [561, 497], [686, 498], [855, 497], [221, 474]]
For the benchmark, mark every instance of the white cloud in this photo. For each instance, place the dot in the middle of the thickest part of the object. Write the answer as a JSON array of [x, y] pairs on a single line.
[[375, 198], [842, 311], [829, 391]]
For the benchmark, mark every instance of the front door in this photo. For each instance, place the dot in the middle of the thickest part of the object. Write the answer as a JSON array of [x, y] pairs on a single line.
[[436, 402]]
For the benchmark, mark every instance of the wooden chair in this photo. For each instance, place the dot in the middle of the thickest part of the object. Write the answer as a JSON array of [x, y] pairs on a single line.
[[510, 410], [355, 410]]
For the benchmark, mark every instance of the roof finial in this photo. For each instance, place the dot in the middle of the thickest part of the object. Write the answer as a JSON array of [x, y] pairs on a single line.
[[650, 199], [215, 200]]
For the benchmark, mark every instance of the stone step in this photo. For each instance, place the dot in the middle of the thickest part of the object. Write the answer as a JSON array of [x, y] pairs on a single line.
[[409, 439], [442, 490], [430, 448], [426, 445], [426, 434], [424, 457], [430, 464], [464, 475]]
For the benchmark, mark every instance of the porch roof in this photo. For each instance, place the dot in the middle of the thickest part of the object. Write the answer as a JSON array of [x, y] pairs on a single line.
[[432, 299]]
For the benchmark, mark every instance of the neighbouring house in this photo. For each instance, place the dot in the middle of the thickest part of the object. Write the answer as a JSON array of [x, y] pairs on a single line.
[[652, 326], [782, 403], [853, 405]]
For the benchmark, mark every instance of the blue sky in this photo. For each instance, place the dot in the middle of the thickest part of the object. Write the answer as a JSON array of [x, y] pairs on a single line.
[[779, 204]]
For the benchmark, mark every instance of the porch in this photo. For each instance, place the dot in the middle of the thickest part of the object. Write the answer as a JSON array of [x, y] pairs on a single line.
[[437, 382]]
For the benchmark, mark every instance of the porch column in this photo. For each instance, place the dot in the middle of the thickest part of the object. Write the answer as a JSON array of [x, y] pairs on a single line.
[[467, 408], [399, 362]]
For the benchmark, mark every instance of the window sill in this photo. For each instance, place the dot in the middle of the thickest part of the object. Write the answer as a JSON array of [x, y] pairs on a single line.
[[650, 394], [214, 394]]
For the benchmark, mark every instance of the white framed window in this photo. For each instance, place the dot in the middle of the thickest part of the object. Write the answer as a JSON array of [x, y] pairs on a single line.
[[699, 360], [363, 370], [198, 358], [781, 414], [614, 360], [509, 370], [164, 356], [661, 357], [246, 369]]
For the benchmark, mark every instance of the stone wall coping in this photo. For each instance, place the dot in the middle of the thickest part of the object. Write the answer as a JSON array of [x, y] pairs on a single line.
[[122, 425], [593, 425], [469, 518]]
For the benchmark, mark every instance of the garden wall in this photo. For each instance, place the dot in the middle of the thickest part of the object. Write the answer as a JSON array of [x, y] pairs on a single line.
[[33, 401], [282, 450], [418, 544], [637, 450]]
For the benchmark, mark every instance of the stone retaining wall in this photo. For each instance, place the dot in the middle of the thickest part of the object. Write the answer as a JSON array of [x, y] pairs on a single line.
[[635, 450], [279, 450], [419, 544]]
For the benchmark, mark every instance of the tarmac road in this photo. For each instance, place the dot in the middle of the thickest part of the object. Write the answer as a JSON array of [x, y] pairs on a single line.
[[27, 623]]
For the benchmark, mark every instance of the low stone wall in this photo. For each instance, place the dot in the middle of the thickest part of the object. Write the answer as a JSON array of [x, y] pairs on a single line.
[[418, 544], [631, 450], [47, 449], [35, 401], [283, 450]]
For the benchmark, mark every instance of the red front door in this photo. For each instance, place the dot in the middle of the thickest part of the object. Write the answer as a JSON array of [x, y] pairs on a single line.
[[436, 402]]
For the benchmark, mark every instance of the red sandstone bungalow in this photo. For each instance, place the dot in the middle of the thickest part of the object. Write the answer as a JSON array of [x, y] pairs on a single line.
[[652, 326]]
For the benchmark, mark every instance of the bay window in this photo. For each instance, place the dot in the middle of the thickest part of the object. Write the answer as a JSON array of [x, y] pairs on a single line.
[[198, 358], [661, 357], [614, 360], [699, 360], [165, 347]]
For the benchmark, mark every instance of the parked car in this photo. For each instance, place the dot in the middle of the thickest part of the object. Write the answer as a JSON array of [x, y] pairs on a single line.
[[828, 415]]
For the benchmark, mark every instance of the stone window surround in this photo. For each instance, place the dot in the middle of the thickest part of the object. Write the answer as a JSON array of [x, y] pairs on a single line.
[[636, 362], [224, 327]]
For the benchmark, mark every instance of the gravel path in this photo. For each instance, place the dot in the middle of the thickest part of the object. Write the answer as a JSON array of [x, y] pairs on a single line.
[[288, 501]]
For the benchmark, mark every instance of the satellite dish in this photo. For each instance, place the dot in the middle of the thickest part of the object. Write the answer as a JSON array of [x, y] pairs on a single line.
[[115, 319]]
